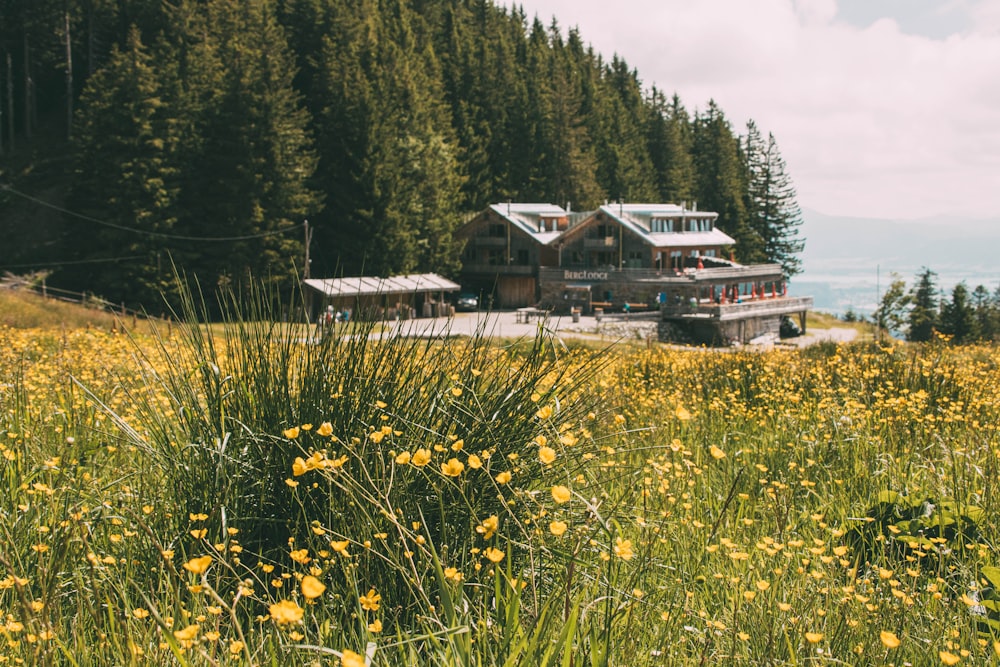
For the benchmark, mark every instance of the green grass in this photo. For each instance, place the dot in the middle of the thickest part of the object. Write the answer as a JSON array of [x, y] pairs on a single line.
[[172, 498]]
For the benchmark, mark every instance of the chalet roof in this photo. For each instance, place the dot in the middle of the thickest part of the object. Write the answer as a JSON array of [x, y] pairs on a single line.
[[637, 219], [689, 239], [526, 217], [370, 286]]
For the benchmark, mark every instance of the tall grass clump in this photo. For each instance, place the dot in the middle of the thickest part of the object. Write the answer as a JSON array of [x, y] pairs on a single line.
[[394, 465]]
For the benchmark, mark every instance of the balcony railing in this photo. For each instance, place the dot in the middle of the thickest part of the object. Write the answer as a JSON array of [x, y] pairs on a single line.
[[498, 269], [600, 243], [490, 241], [761, 307]]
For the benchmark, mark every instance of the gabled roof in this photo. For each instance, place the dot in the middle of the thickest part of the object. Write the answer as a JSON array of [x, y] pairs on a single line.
[[526, 217], [369, 286], [637, 218]]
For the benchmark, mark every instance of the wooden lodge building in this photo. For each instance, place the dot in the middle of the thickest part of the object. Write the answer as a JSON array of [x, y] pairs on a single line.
[[650, 256]]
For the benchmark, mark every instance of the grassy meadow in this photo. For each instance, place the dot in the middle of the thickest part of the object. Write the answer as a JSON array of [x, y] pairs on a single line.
[[232, 496]]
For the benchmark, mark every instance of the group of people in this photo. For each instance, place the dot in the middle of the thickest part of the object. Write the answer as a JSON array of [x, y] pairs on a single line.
[[333, 315]]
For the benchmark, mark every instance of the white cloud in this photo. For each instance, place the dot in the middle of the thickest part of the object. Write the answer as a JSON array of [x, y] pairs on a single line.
[[871, 120]]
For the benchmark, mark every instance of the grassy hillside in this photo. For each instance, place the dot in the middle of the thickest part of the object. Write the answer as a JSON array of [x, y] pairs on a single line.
[[22, 309]]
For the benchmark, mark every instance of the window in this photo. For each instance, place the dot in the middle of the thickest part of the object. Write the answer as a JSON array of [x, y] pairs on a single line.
[[495, 257], [498, 230], [602, 259], [470, 253], [522, 257], [710, 253], [577, 257], [694, 253]]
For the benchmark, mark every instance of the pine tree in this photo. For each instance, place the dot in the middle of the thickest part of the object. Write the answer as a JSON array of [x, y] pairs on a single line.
[[772, 211], [624, 169], [986, 313], [249, 154], [923, 312], [721, 183], [388, 152], [669, 136], [958, 318], [127, 175]]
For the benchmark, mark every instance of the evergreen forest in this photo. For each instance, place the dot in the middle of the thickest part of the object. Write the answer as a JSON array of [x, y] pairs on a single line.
[[143, 137]]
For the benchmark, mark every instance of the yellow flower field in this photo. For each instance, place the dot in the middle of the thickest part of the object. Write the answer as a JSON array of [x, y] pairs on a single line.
[[234, 496]]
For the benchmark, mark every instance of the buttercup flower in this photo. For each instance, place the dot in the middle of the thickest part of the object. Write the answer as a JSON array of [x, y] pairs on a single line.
[[198, 565], [370, 601], [561, 494], [312, 587], [285, 612], [453, 468]]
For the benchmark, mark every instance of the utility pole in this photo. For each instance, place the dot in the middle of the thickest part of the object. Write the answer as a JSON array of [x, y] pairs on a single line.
[[305, 271]]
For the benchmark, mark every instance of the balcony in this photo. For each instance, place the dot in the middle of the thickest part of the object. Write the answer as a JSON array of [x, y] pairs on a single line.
[[601, 243], [490, 241], [498, 269], [772, 306]]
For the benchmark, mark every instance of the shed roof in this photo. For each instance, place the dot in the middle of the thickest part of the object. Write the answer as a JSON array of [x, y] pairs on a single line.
[[372, 285]]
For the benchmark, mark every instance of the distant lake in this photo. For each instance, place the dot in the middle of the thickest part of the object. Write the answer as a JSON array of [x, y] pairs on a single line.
[[848, 262]]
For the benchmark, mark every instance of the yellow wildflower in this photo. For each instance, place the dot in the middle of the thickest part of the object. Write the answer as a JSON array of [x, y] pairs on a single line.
[[198, 565], [546, 455], [291, 433], [493, 554], [623, 548], [421, 457], [351, 659], [889, 639], [557, 528], [370, 601], [561, 494], [453, 468], [488, 527], [312, 587], [325, 429], [285, 612]]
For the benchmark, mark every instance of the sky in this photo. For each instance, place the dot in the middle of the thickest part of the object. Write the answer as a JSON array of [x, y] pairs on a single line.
[[881, 108]]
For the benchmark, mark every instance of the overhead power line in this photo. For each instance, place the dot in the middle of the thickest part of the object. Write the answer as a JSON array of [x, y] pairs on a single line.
[[162, 235], [70, 262]]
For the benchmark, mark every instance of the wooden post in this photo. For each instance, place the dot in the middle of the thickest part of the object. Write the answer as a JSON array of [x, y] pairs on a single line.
[[305, 272], [28, 86], [10, 102]]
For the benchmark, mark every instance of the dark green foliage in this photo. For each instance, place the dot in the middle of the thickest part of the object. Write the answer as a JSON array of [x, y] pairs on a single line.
[[928, 531], [923, 312], [721, 181], [385, 122], [772, 211], [958, 317]]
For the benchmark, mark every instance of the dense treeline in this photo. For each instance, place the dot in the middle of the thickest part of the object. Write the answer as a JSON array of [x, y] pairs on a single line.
[[920, 312], [202, 133]]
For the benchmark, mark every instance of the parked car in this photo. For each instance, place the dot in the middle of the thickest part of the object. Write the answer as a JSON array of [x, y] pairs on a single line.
[[467, 302], [789, 329]]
